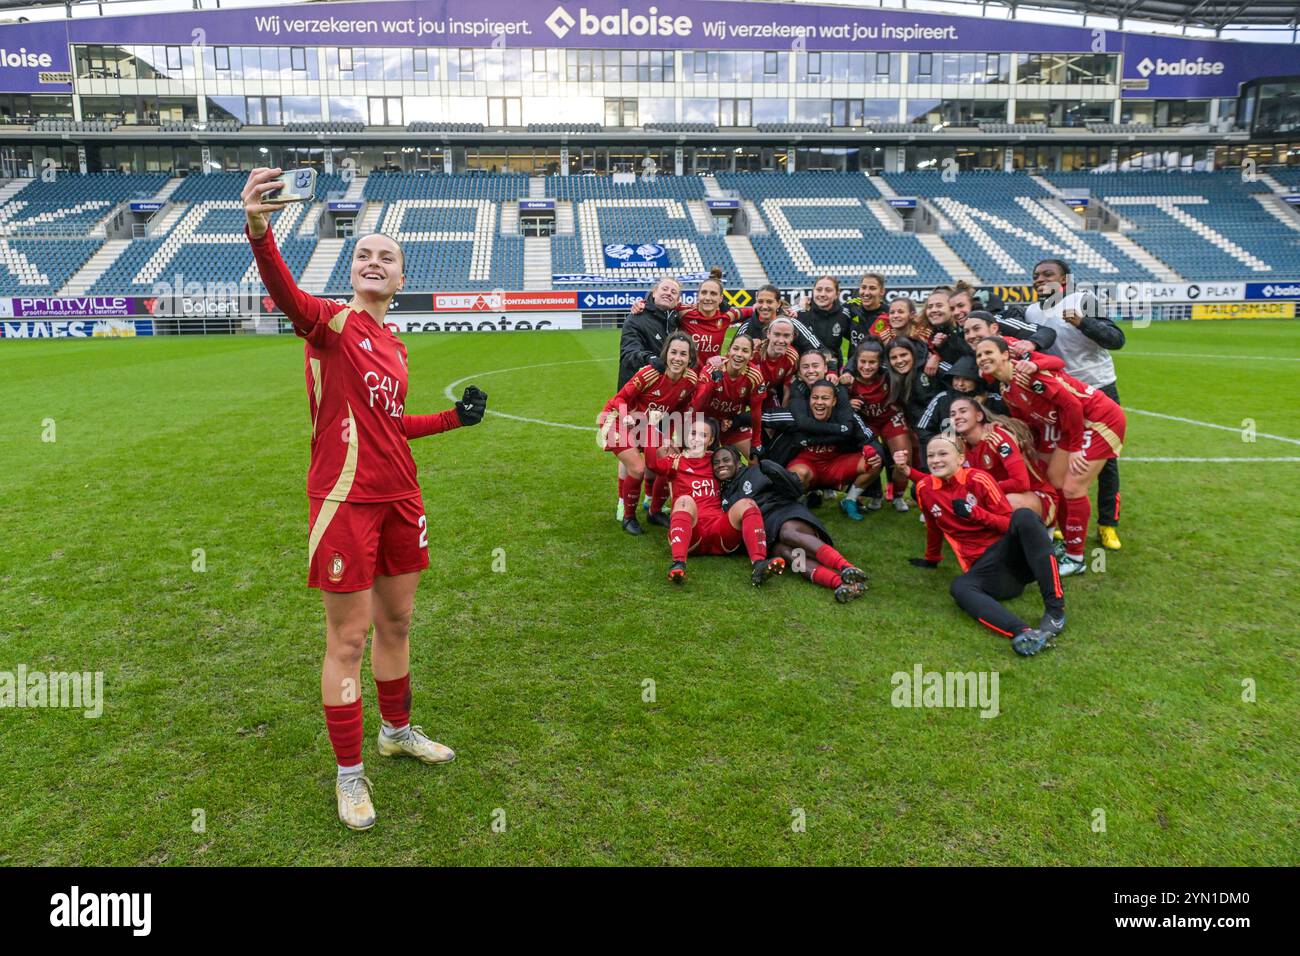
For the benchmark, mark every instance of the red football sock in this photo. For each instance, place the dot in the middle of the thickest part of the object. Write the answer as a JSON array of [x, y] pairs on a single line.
[[629, 489], [395, 700], [825, 577], [1078, 512], [346, 730], [831, 558], [658, 494], [751, 527], [679, 534]]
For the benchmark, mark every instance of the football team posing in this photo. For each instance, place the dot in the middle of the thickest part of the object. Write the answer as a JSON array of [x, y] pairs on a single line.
[[998, 419]]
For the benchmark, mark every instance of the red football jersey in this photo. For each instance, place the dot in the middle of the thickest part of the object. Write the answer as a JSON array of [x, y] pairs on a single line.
[[778, 370], [968, 537], [728, 397], [1050, 408], [874, 397], [688, 476], [708, 332], [1000, 456], [650, 390], [356, 391]]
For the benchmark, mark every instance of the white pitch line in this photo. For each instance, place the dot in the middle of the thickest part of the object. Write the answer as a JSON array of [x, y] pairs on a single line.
[[1126, 459], [449, 391], [1226, 428], [1221, 357]]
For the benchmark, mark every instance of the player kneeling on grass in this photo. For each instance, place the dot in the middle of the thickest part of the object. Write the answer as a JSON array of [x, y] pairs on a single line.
[[698, 524], [1000, 550], [796, 535], [369, 539], [829, 461]]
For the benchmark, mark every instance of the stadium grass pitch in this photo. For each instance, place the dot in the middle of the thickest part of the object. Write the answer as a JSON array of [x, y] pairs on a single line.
[[212, 750]]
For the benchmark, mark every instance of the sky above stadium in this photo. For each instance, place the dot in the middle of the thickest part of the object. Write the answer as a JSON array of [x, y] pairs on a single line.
[[991, 11]]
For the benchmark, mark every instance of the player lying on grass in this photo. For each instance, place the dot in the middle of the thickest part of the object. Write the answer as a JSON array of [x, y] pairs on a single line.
[[368, 539], [792, 530], [631, 421], [999, 550], [1076, 429], [699, 525]]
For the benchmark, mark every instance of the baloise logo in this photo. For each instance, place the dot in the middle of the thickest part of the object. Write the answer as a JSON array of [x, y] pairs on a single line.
[[1198, 67], [621, 24]]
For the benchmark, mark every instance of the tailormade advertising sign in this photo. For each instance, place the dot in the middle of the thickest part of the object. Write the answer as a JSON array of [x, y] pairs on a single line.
[[35, 55]]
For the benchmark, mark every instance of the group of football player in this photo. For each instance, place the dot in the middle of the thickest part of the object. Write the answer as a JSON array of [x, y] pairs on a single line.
[[994, 419]]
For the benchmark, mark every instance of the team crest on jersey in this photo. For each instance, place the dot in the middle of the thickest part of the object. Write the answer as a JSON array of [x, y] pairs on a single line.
[[749, 488], [835, 329], [336, 568]]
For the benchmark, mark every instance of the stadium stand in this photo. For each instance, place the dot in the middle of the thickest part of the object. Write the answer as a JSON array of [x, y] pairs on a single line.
[[325, 126], [564, 127], [793, 127], [424, 126], [41, 266], [207, 246], [71, 204], [683, 127], [819, 222], [212, 126], [217, 186], [657, 211], [74, 126], [1205, 225], [1005, 222], [448, 226]]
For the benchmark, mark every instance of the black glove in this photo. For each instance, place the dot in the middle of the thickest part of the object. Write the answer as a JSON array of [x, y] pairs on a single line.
[[961, 507], [472, 405], [756, 453], [923, 563], [658, 364]]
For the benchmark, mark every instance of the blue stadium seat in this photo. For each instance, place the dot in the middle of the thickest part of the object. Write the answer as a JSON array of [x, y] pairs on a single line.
[[1206, 226]]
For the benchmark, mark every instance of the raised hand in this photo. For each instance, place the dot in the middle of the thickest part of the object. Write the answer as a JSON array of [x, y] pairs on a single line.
[[260, 181], [472, 405]]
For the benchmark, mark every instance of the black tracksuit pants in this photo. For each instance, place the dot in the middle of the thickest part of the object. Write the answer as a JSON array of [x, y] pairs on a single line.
[[1023, 554]]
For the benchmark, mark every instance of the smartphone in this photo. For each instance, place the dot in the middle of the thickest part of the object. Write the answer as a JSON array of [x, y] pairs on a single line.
[[296, 185]]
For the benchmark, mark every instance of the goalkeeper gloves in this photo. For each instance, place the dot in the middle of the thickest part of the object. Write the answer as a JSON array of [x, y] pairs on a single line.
[[472, 405]]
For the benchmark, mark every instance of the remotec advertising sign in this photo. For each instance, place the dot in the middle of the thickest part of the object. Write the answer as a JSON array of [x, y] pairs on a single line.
[[36, 55]]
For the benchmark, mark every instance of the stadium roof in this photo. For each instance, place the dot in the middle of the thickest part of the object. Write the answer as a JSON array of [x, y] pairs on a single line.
[[1211, 15]]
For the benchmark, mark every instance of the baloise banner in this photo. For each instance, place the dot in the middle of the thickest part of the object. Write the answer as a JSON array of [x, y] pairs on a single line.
[[34, 56]]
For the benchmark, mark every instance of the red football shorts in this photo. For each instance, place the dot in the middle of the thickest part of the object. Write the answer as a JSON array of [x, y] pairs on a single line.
[[350, 543], [889, 426], [1104, 439], [830, 472], [713, 534]]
